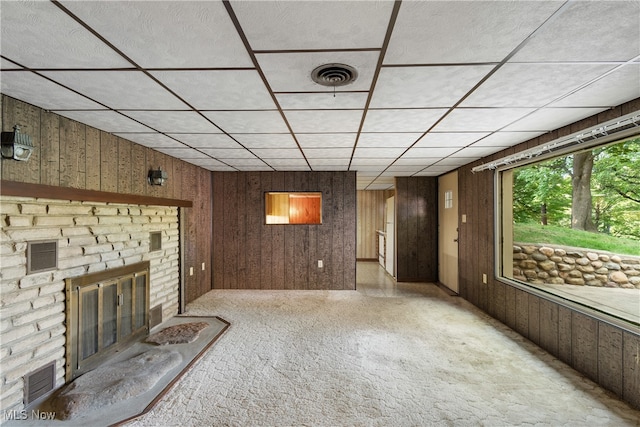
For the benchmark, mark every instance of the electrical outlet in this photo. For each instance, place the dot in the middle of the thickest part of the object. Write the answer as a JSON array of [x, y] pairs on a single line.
[[464, 218], [484, 278], [320, 263]]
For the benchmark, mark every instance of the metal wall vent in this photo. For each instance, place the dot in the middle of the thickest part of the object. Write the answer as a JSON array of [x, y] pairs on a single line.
[[39, 382], [42, 256], [333, 75]]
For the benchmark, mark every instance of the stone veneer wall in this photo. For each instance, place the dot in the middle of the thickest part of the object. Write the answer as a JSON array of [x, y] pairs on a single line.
[[91, 237], [560, 265]]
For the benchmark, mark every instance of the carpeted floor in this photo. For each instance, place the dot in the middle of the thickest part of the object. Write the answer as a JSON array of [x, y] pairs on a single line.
[[398, 355]]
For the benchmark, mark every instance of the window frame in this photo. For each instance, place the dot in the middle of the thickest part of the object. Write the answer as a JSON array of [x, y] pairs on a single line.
[[503, 235]]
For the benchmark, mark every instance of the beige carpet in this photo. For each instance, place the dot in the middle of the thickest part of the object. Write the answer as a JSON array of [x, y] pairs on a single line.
[[412, 356]]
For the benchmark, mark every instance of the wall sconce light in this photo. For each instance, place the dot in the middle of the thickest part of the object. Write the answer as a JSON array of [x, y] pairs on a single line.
[[16, 145], [157, 177]]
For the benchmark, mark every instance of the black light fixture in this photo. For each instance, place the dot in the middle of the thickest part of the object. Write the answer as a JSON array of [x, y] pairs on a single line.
[[16, 145], [157, 177]]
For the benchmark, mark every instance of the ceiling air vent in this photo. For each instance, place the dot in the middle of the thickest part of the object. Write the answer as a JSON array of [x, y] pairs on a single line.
[[333, 75]]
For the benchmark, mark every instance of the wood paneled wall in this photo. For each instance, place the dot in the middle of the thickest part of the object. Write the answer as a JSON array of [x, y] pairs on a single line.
[[371, 217], [417, 229], [248, 254], [73, 155], [606, 354]]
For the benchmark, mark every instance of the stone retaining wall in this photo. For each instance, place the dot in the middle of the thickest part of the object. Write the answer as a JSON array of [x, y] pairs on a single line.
[[91, 237], [562, 265]]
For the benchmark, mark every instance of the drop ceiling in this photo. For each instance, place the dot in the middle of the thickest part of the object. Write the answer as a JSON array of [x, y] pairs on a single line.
[[227, 85]]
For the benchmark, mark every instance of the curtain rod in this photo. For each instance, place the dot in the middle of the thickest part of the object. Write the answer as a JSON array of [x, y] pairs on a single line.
[[589, 137]]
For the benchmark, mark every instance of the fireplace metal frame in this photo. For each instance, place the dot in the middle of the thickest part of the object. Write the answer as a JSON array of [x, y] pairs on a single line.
[[98, 284]]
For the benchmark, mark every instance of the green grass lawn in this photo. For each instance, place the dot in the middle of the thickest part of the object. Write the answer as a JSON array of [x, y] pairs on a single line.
[[536, 233]]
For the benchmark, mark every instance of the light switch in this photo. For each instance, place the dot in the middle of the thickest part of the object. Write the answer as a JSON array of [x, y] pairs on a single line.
[[464, 218], [203, 266], [190, 271]]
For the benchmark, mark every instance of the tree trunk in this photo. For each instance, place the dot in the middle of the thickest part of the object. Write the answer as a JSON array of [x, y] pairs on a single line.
[[581, 205]]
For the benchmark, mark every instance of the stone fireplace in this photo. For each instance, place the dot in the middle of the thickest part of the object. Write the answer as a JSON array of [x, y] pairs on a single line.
[[90, 238]]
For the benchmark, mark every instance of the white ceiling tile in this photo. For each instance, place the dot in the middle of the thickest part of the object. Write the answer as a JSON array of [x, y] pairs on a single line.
[[377, 162], [314, 25], [135, 90], [425, 87], [38, 34], [324, 120], [463, 32], [453, 139], [416, 161], [549, 119], [8, 65], [532, 85], [457, 161], [373, 187], [108, 121], [480, 119], [211, 164], [151, 140], [330, 153], [291, 72], [294, 168], [475, 152], [289, 162], [183, 153], [219, 89], [435, 170], [402, 170], [247, 163], [167, 33], [173, 121], [506, 139], [248, 121], [322, 101], [373, 170], [42, 92], [400, 140], [276, 140], [206, 140], [430, 152], [229, 153], [588, 31], [323, 161], [368, 152], [278, 153], [328, 140], [614, 89], [401, 120]]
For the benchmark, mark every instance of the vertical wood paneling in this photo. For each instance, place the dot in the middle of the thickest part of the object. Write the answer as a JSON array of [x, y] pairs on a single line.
[[73, 154], [584, 345], [417, 229], [139, 182], [534, 318], [549, 326], [565, 323], [610, 360], [370, 210], [522, 313], [260, 256], [93, 162], [108, 168], [50, 149], [631, 368], [124, 167]]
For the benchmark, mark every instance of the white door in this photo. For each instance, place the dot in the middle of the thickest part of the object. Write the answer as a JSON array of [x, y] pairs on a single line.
[[448, 230], [390, 241]]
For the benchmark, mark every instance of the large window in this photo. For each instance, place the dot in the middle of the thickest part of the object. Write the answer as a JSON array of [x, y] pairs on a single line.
[[570, 226]]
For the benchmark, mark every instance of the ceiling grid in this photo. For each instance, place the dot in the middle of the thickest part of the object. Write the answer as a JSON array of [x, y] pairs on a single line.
[[227, 85]]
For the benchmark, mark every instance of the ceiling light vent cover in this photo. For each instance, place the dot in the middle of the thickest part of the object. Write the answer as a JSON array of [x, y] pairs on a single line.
[[333, 75]]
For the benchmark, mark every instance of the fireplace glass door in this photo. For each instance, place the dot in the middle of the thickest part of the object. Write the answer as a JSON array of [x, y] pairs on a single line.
[[104, 315]]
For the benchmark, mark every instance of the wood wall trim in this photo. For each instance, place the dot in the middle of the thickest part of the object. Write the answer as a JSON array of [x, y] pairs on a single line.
[[23, 189]]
